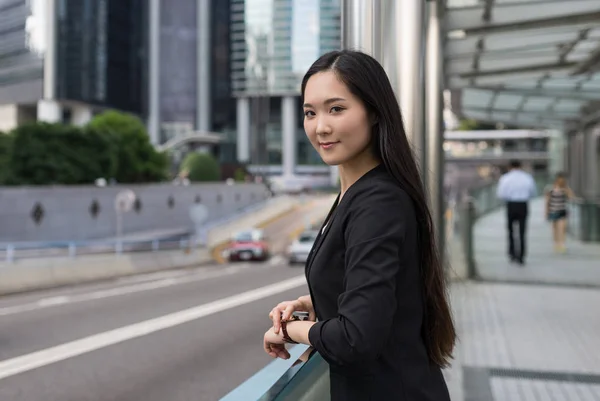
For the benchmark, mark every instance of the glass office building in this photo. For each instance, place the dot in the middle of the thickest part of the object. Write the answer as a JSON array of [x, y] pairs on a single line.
[[22, 49], [64, 60], [190, 70], [100, 53], [273, 42]]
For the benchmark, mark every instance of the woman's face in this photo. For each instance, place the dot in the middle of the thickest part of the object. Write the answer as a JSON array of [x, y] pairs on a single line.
[[560, 181], [336, 122]]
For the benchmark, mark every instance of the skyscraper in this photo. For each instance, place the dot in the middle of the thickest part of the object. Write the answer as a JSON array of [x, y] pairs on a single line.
[[190, 69], [273, 42], [62, 61]]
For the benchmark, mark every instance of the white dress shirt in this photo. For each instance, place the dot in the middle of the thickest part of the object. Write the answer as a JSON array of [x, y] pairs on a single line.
[[516, 186]]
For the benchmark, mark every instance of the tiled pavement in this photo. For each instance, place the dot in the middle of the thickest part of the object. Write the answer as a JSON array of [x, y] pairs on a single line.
[[528, 342], [516, 341]]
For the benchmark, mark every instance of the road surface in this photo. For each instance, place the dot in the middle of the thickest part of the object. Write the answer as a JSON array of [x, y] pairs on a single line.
[[191, 334]]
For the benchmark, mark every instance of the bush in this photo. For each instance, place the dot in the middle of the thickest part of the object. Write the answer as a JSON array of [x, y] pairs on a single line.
[[239, 175], [201, 167]]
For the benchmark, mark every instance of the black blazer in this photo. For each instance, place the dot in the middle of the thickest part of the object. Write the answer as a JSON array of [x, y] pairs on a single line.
[[363, 276]]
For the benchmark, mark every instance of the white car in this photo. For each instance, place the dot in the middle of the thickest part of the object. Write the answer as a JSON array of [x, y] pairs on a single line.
[[300, 248]]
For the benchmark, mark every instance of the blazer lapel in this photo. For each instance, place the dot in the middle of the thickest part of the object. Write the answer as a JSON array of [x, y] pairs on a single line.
[[322, 234]]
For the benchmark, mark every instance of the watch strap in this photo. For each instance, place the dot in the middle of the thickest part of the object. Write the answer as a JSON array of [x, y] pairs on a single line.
[[286, 336]]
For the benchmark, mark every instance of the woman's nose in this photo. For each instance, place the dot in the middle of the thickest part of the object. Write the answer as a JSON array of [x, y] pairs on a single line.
[[323, 127]]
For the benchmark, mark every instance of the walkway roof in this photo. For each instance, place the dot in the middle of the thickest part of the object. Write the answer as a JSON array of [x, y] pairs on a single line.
[[533, 63]]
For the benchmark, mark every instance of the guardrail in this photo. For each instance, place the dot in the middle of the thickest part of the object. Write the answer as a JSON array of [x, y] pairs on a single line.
[[184, 239]]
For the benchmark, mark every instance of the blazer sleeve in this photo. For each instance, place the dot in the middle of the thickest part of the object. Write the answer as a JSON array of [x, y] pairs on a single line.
[[374, 233]]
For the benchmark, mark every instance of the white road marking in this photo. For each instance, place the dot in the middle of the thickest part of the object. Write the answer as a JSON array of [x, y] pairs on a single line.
[[53, 301], [152, 276], [146, 282], [112, 292], [34, 360]]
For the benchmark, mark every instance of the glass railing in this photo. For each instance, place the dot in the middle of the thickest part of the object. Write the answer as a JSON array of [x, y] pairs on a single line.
[[584, 220], [286, 380]]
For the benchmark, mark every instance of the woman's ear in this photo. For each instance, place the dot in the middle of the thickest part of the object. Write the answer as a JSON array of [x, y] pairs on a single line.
[[373, 119]]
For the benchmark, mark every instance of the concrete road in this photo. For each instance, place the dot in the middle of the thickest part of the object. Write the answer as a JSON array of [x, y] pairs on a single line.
[[190, 334]]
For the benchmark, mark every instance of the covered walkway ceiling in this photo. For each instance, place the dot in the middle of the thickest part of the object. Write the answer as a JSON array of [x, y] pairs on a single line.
[[532, 63]]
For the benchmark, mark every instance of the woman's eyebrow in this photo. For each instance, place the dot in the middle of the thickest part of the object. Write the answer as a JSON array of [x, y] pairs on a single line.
[[328, 101]]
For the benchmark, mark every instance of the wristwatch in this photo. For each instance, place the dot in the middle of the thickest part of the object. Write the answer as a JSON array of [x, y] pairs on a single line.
[[286, 336]]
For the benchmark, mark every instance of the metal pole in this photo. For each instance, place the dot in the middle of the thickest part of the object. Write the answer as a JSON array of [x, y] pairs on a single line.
[[362, 27], [243, 130], [50, 56], [389, 41], [410, 64], [154, 78], [289, 123], [204, 58], [365, 28], [435, 155]]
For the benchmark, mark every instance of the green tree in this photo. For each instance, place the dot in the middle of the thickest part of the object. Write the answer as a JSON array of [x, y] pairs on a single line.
[[467, 125], [6, 141], [137, 159], [201, 167], [45, 154]]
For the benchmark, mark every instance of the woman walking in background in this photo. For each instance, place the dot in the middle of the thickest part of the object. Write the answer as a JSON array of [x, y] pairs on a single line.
[[556, 210]]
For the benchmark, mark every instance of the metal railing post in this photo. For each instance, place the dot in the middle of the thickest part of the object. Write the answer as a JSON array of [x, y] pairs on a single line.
[[10, 253], [72, 250], [467, 223]]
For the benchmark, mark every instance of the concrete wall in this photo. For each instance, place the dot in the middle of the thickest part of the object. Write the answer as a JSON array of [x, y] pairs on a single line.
[[67, 210], [37, 273]]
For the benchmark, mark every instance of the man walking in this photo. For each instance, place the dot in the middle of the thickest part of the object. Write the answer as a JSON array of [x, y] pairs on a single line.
[[516, 188]]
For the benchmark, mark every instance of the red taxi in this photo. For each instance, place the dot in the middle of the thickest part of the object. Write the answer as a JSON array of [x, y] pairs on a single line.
[[248, 245]]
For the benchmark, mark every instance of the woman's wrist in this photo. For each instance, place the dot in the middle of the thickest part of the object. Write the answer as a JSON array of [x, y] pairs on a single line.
[[298, 331]]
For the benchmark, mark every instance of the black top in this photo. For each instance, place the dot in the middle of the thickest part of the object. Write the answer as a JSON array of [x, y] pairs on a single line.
[[363, 276]]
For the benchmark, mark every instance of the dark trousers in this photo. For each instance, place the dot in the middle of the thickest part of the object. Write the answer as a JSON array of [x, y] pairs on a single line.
[[517, 213]]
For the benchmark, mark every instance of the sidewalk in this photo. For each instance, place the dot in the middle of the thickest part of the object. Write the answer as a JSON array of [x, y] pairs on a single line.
[[579, 266], [525, 343], [519, 341]]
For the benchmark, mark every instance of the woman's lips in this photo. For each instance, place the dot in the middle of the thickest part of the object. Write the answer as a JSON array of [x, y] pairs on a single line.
[[328, 145]]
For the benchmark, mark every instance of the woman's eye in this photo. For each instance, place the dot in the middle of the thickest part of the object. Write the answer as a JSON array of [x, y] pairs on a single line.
[[308, 113], [336, 109]]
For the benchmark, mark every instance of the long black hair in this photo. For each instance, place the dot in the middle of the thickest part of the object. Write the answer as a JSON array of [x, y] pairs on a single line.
[[367, 80]]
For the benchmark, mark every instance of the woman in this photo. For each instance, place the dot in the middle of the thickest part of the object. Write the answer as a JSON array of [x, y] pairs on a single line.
[[556, 210], [374, 275]]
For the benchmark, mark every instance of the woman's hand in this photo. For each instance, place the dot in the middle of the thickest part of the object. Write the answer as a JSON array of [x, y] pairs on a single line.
[[274, 345], [285, 309]]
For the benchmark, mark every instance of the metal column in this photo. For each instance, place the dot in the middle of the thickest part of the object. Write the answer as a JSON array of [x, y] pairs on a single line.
[[359, 26], [204, 58], [435, 127], [410, 65], [50, 61], [289, 125], [389, 42], [365, 28], [154, 73], [243, 130]]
